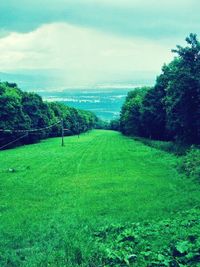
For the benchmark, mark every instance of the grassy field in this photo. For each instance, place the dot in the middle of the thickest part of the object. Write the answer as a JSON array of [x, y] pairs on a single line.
[[53, 198]]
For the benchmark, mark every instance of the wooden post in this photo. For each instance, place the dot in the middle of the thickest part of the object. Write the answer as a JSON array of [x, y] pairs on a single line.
[[62, 133]]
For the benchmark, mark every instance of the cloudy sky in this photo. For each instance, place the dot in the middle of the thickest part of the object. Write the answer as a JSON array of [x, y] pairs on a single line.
[[93, 41]]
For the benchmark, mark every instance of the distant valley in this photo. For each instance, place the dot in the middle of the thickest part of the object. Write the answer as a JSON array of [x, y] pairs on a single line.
[[105, 99], [106, 103]]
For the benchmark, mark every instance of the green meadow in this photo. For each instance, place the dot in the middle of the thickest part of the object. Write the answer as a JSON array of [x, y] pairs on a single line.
[[54, 199]]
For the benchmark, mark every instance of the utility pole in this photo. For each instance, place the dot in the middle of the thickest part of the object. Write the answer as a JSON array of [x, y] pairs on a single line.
[[78, 130], [62, 133]]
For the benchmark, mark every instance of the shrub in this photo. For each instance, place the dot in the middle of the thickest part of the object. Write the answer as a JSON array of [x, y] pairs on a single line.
[[173, 242], [176, 148], [191, 163]]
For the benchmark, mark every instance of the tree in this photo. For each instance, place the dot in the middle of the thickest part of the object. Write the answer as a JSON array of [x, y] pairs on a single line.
[[171, 109], [130, 117], [39, 114], [183, 93], [114, 125], [153, 106], [12, 115], [22, 110]]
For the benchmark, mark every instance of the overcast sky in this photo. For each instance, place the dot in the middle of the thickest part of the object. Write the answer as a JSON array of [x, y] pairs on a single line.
[[93, 41]]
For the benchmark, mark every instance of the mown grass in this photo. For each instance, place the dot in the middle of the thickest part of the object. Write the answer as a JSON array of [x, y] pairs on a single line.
[[53, 198]]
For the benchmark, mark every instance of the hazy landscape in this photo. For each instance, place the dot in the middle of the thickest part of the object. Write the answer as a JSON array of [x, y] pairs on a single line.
[[105, 103], [105, 99]]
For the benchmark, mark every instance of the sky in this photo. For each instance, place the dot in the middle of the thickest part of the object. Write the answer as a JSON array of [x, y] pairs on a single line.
[[91, 42]]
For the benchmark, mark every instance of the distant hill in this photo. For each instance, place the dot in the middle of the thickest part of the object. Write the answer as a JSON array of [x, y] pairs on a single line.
[[52, 80], [104, 102], [32, 80]]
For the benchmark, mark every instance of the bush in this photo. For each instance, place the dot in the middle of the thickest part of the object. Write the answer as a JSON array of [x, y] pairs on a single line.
[[172, 242], [176, 148], [191, 163]]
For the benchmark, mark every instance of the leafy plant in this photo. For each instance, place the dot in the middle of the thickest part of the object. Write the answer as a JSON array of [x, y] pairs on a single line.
[[173, 242], [191, 163]]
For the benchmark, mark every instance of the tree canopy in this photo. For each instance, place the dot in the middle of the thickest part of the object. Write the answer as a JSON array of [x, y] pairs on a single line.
[[25, 111], [170, 109]]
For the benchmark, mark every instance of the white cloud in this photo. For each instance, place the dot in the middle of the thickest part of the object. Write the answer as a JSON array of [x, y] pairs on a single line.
[[80, 54]]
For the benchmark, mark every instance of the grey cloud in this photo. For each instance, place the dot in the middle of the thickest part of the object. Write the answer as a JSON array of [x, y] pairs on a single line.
[[153, 19]]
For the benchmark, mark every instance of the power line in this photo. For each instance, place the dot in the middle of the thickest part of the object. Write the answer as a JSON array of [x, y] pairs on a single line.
[[33, 130], [24, 131], [14, 141], [28, 131]]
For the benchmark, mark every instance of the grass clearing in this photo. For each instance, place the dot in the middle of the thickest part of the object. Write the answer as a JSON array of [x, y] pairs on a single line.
[[53, 198]]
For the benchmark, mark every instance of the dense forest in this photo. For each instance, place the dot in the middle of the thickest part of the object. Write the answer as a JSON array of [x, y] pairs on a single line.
[[22, 111], [170, 110]]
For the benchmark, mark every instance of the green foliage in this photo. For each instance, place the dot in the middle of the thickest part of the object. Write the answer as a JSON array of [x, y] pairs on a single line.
[[171, 109], [176, 148], [183, 93], [191, 163], [130, 120], [100, 124], [153, 115], [114, 125], [11, 112], [171, 242], [22, 110]]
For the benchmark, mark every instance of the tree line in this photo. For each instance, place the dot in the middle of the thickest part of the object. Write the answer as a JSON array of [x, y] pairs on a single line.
[[25, 111], [170, 110]]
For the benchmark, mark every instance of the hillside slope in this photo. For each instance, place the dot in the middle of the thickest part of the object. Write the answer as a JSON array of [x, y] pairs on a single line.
[[52, 197]]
